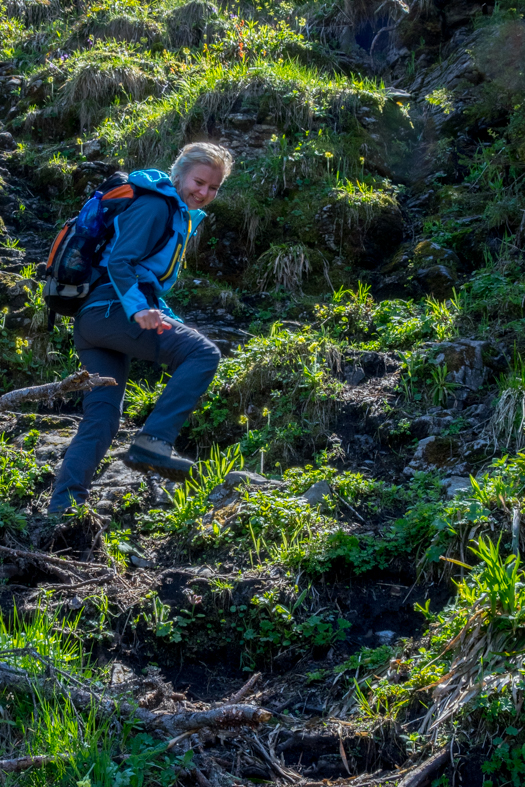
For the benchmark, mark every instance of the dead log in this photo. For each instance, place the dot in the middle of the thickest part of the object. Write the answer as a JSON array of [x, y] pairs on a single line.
[[79, 381], [420, 775], [220, 718]]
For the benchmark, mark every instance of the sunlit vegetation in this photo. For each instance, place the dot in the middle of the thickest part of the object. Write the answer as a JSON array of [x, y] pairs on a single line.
[[344, 454]]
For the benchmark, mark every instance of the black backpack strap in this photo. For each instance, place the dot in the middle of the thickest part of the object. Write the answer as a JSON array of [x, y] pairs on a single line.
[[51, 317]]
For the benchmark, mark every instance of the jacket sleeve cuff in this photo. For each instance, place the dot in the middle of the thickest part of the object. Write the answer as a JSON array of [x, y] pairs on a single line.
[[133, 301], [167, 310]]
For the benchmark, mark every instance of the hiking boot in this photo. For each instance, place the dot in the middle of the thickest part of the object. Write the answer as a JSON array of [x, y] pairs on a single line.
[[158, 457]]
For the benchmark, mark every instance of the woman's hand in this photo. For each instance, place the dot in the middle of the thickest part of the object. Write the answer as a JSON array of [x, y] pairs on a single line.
[[152, 319]]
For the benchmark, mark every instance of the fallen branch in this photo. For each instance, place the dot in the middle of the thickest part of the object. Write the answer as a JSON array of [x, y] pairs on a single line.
[[286, 773], [347, 504], [95, 580], [96, 540], [18, 680], [224, 716], [202, 781], [386, 29], [244, 690], [79, 381], [516, 522], [62, 562], [422, 773], [23, 763]]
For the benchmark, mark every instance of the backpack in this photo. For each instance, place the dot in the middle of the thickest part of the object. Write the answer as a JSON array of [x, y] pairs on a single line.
[[72, 266]]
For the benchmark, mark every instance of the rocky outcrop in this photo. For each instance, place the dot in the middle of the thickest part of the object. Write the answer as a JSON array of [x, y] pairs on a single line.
[[424, 269], [465, 362], [435, 269], [451, 84]]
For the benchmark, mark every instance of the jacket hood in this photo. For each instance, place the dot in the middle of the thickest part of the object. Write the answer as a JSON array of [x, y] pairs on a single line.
[[155, 180]]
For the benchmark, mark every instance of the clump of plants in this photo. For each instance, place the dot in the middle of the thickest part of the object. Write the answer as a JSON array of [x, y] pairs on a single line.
[[78, 745], [19, 472], [280, 388]]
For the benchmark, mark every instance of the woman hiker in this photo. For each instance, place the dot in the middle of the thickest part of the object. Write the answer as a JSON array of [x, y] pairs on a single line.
[[124, 317]]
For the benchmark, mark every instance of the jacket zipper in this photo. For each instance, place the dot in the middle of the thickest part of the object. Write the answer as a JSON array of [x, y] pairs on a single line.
[[175, 257]]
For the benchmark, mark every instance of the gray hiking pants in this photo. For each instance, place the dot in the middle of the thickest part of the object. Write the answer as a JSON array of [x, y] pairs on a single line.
[[106, 342]]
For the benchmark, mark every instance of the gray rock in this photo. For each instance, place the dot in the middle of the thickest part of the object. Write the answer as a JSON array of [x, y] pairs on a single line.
[[435, 453], [465, 364], [161, 490], [455, 484], [120, 674], [317, 492], [355, 376], [52, 446], [222, 495], [461, 67], [105, 507], [241, 121], [422, 427], [118, 476], [225, 493], [386, 637], [92, 149], [141, 562], [243, 476], [128, 549], [202, 571], [6, 141], [437, 280], [373, 363]]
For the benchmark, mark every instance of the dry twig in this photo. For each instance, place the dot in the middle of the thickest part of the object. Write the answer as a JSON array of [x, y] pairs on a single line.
[[244, 690], [516, 521]]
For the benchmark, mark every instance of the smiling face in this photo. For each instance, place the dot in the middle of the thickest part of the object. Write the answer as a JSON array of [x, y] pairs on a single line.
[[199, 186]]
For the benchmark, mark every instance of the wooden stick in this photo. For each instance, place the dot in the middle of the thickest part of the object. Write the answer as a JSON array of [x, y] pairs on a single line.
[[421, 774], [347, 504], [23, 763], [18, 680], [202, 781], [79, 381], [101, 580], [516, 521], [44, 556], [244, 690]]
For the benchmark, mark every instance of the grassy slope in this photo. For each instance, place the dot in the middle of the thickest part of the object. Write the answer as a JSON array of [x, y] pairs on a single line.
[[309, 199]]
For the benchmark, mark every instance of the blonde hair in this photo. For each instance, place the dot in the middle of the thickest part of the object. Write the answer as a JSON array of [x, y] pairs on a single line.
[[201, 153]]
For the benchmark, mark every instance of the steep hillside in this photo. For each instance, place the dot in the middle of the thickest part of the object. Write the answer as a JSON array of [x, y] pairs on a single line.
[[339, 594]]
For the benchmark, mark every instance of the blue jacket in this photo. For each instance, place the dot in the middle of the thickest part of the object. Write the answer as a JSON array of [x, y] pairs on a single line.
[[137, 230]]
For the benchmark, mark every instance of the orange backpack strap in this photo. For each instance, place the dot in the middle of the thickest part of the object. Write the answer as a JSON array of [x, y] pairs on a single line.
[[56, 243], [126, 191]]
